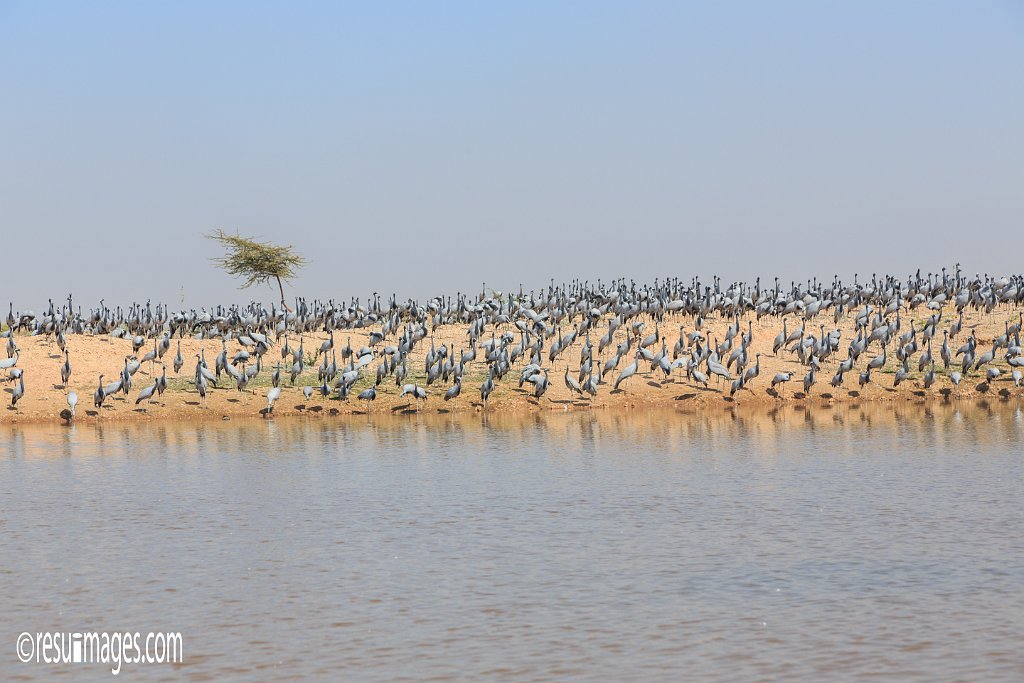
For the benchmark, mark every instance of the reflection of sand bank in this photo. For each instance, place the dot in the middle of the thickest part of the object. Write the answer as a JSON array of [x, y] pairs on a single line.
[[765, 432], [44, 399]]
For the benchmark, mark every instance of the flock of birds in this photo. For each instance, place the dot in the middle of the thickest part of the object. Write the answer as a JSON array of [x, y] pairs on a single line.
[[526, 334]]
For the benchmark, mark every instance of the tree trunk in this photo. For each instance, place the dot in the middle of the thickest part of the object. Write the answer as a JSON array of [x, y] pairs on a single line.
[[280, 288]]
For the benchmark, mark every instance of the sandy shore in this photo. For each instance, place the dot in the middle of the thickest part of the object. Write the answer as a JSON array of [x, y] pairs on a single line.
[[45, 399]]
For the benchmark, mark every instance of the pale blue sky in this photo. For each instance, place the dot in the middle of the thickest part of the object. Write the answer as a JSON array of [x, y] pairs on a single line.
[[424, 147]]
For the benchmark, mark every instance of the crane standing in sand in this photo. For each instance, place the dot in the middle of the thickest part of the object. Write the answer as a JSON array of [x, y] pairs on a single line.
[[530, 334]]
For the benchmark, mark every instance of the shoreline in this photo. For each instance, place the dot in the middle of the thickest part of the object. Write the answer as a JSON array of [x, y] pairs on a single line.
[[623, 409]]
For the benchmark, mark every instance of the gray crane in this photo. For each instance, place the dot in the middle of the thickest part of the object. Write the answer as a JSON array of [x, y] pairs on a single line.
[[628, 371], [178, 360], [571, 384], [72, 398], [368, 395], [147, 393], [781, 378], [8, 363], [18, 392], [454, 390], [809, 380], [99, 396], [272, 395]]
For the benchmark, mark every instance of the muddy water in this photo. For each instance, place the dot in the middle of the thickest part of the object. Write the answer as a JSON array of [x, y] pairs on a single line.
[[882, 542]]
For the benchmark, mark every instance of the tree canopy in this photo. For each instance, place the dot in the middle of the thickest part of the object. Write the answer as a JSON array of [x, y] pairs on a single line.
[[257, 262]]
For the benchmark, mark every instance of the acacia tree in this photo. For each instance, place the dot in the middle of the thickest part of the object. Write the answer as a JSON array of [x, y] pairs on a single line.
[[257, 262]]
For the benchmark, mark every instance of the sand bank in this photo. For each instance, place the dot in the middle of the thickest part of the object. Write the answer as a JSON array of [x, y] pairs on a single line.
[[45, 398]]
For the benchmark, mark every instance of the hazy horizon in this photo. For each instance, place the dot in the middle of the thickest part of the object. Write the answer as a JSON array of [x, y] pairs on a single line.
[[422, 151]]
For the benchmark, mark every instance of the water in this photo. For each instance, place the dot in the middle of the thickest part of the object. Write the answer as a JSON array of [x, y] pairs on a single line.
[[879, 543]]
